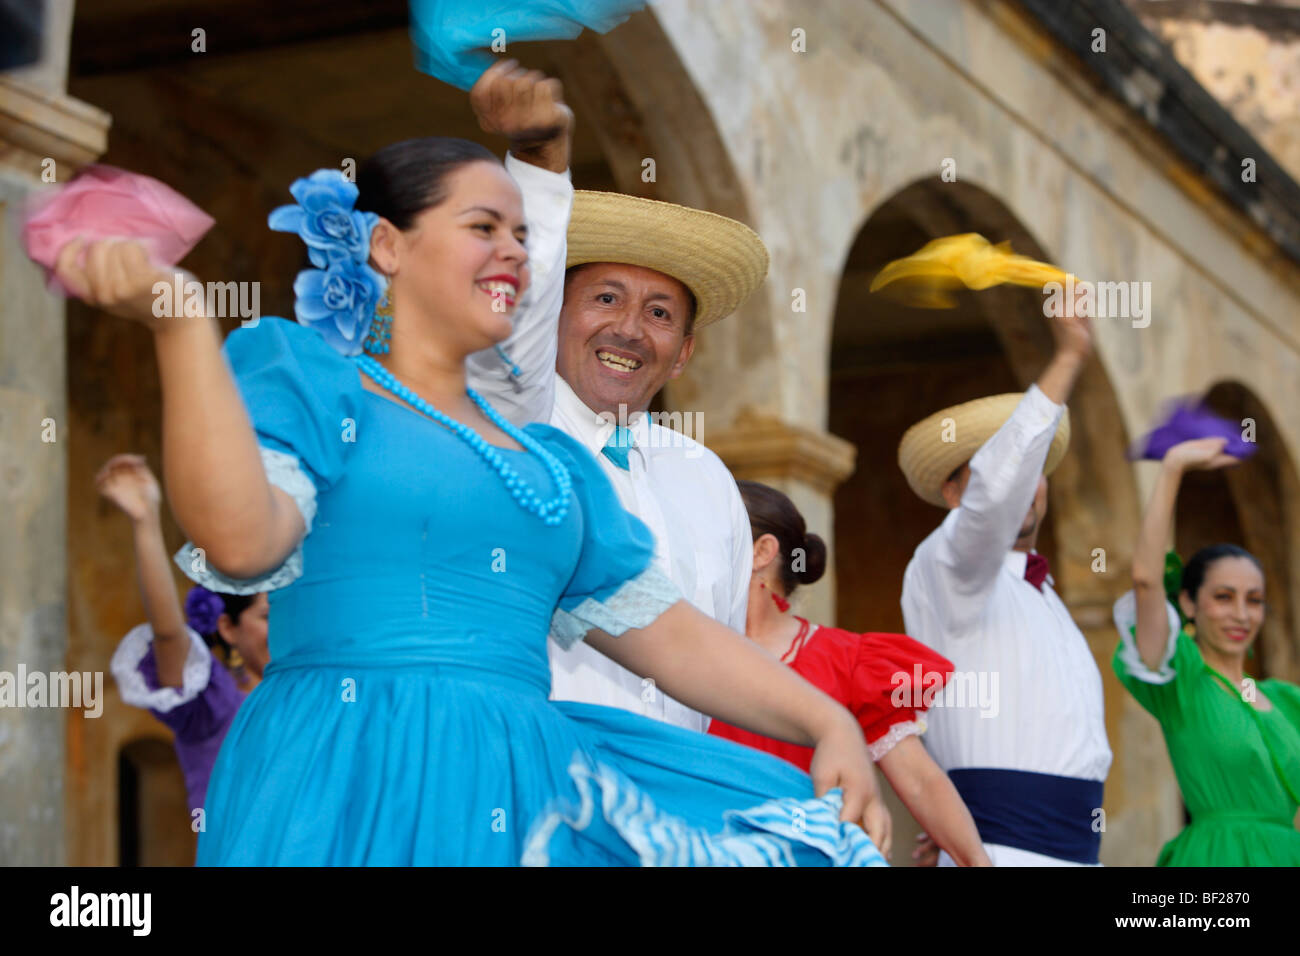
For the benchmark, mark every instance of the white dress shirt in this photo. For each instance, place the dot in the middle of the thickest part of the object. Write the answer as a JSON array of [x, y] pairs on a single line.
[[965, 595], [680, 489], [688, 499]]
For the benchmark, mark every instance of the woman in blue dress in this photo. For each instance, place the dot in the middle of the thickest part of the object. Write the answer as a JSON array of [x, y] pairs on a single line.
[[419, 549]]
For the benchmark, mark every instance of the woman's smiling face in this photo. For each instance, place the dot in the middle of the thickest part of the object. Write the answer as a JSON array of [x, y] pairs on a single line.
[[464, 260], [1229, 607]]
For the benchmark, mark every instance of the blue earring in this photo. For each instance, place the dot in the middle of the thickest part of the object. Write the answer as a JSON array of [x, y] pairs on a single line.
[[381, 328]]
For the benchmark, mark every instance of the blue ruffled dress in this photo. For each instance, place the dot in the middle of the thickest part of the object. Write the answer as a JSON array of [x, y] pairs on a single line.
[[404, 716]]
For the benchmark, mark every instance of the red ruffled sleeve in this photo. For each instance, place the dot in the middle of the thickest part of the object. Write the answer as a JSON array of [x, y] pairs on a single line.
[[895, 679], [885, 680]]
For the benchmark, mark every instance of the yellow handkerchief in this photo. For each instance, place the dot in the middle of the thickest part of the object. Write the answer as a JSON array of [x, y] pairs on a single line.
[[925, 278]]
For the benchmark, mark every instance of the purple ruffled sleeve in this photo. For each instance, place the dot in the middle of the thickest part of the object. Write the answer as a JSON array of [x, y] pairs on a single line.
[[199, 712]]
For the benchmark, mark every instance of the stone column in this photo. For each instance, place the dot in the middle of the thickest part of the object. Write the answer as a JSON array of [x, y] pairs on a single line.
[[44, 136], [808, 466]]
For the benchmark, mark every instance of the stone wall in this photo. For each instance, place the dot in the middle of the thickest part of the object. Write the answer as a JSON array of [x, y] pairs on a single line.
[[1254, 74], [43, 133]]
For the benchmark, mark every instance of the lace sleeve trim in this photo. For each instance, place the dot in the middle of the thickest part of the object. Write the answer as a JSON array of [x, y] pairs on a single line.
[[283, 471], [637, 602], [882, 746], [134, 689], [1125, 614]]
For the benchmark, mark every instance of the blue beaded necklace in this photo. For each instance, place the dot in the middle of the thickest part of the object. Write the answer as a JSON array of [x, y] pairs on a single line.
[[551, 512]]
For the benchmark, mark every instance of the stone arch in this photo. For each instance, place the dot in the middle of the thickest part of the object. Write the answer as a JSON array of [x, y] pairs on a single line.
[[1255, 505], [891, 365], [1002, 340]]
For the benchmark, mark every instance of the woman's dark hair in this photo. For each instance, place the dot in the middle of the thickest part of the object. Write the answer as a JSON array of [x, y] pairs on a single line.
[[404, 179], [1198, 567], [201, 613], [771, 512]]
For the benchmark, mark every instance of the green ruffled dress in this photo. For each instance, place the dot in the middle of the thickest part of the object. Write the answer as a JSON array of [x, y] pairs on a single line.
[[1238, 767]]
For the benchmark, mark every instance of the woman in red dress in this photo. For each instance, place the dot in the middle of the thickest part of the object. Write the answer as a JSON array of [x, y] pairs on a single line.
[[886, 680]]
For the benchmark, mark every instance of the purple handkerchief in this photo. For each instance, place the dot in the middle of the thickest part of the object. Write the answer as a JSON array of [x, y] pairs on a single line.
[[1185, 420]]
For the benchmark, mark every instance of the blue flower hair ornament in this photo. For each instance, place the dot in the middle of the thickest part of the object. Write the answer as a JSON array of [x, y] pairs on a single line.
[[203, 608], [325, 219], [339, 296]]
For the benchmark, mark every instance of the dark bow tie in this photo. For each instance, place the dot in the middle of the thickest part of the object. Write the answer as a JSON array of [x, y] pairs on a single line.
[[1036, 569]]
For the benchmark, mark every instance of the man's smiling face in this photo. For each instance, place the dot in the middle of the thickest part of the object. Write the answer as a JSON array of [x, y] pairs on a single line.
[[624, 332]]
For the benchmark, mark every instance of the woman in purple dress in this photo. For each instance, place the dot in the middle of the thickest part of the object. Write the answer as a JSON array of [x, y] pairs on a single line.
[[169, 664]]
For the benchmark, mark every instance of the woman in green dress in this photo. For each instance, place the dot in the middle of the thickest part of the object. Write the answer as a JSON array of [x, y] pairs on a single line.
[[1234, 742]]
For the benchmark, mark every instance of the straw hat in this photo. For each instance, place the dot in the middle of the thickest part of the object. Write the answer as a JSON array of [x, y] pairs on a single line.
[[720, 260], [927, 459]]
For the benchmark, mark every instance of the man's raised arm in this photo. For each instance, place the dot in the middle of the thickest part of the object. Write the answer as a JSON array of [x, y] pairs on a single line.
[[963, 560], [518, 375]]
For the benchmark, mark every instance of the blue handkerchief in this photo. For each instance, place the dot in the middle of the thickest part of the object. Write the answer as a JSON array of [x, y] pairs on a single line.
[[453, 38]]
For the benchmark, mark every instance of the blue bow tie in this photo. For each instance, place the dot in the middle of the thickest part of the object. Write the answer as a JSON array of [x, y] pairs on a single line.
[[617, 447]]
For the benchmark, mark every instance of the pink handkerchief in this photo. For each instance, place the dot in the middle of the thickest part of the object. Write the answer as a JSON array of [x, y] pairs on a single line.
[[104, 202]]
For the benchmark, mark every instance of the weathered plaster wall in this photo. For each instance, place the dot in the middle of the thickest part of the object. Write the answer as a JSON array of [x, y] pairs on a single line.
[[40, 130]]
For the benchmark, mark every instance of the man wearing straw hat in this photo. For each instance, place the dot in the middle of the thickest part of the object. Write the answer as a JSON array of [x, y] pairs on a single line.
[[1031, 768], [641, 277]]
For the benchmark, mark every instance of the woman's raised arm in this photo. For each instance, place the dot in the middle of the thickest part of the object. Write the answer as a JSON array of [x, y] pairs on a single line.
[[212, 466], [127, 481], [1153, 537]]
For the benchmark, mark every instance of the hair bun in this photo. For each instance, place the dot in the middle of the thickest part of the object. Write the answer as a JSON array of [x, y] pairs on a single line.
[[814, 549]]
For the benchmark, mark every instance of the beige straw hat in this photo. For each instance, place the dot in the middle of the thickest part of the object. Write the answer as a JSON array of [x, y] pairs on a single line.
[[927, 459], [720, 260]]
